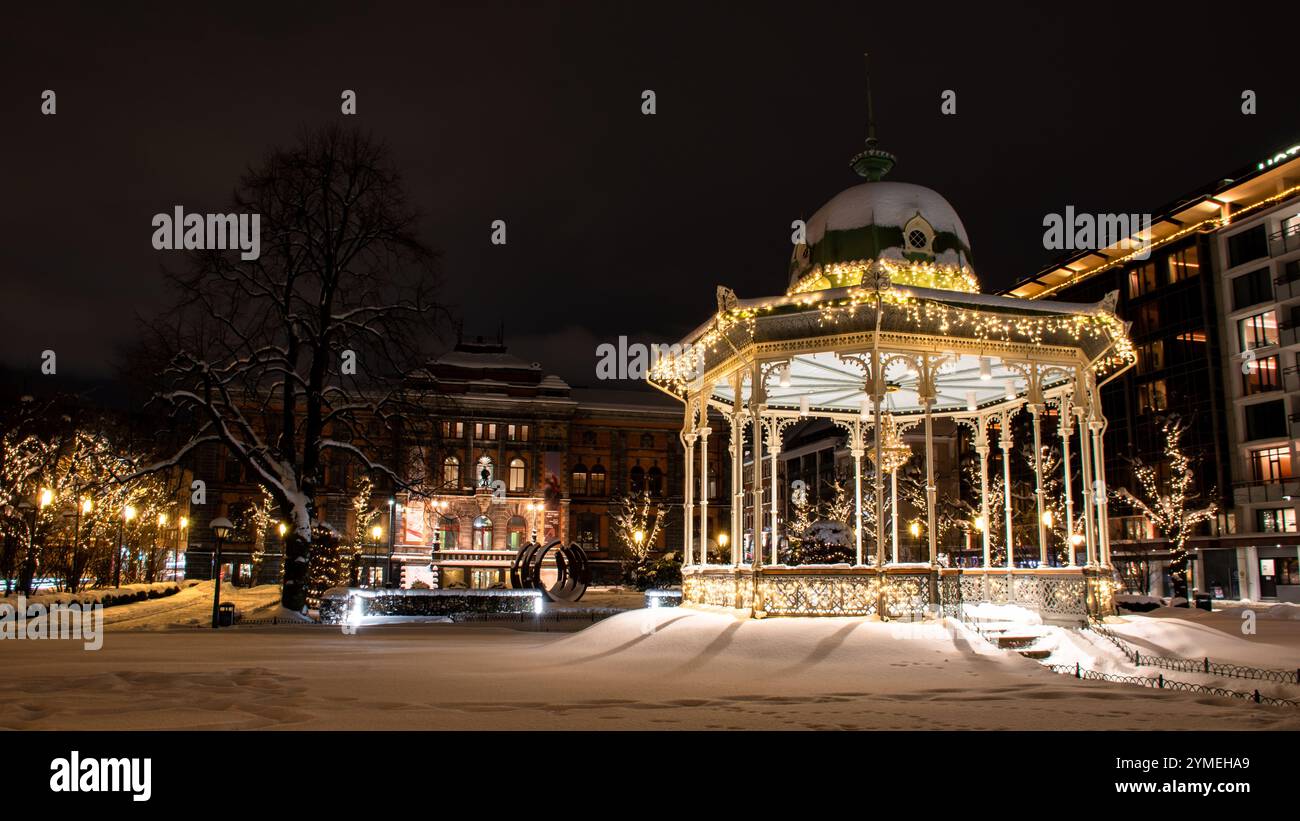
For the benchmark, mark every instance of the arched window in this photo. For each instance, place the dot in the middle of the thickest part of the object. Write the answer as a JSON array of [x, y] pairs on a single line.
[[451, 472], [482, 533], [654, 479], [448, 533], [637, 479], [518, 474], [578, 480], [516, 532], [597, 482]]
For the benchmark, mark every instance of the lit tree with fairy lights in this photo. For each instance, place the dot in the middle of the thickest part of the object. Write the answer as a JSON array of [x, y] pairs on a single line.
[[1173, 506]]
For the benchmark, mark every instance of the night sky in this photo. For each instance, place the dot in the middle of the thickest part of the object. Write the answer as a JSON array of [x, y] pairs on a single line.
[[618, 223]]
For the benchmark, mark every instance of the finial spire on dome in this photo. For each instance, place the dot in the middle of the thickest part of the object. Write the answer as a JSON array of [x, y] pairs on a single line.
[[873, 163]]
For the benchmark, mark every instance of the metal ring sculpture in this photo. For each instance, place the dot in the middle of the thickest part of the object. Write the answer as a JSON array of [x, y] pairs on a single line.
[[573, 570]]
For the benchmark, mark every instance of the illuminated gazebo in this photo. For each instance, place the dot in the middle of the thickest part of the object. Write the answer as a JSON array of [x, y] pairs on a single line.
[[883, 328]]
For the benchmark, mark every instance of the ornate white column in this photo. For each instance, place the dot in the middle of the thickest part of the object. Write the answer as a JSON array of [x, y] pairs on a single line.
[[1085, 466], [1035, 412], [1004, 441], [688, 495], [757, 400], [704, 486], [893, 514], [857, 451], [737, 426], [931, 490], [877, 393], [982, 448], [1098, 428], [1064, 425], [774, 426]]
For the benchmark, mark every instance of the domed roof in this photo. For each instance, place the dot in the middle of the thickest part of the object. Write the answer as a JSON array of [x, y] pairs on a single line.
[[912, 229]]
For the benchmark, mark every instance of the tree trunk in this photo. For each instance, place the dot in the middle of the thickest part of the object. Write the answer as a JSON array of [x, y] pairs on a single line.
[[297, 557]]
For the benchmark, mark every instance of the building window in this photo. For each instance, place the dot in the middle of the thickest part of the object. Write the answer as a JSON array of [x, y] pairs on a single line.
[[1270, 464], [1266, 420], [1247, 245], [1152, 396], [453, 430], [1142, 280], [647, 440], [517, 433], [1288, 570], [587, 530], [597, 480], [448, 536], [589, 438], [451, 472], [1183, 264], [1257, 331], [518, 474], [1260, 375], [1252, 289], [636, 479], [482, 533], [523, 433], [578, 480], [1151, 357], [1276, 520], [516, 532], [1148, 317], [654, 479], [478, 430]]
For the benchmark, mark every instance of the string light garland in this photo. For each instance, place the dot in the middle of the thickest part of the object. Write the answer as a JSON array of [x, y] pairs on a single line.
[[678, 371], [919, 274]]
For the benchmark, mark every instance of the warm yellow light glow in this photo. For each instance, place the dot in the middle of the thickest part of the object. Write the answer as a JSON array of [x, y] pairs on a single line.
[[185, 522], [722, 540], [47, 496], [1076, 539], [980, 524], [638, 536], [282, 528], [162, 519], [87, 505], [128, 512], [376, 532], [1047, 518], [915, 529]]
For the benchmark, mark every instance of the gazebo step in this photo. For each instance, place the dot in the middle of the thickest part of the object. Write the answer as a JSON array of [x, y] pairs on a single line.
[[1017, 641], [1036, 653]]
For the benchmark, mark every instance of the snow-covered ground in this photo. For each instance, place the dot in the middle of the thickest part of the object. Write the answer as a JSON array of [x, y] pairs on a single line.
[[646, 669], [192, 607]]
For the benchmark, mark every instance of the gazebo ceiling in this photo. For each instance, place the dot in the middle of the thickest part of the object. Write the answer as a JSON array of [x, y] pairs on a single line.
[[812, 329], [832, 384]]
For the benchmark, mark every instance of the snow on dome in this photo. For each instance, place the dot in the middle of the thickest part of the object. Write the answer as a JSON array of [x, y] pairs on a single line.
[[885, 203], [910, 227]]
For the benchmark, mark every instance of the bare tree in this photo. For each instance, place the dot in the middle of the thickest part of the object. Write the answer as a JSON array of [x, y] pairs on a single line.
[[301, 351]]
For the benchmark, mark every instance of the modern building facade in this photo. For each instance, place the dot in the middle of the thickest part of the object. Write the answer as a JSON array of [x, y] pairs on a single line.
[[1210, 299]]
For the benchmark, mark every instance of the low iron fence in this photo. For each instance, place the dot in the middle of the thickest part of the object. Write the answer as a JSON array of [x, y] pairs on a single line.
[[1162, 683], [1201, 665]]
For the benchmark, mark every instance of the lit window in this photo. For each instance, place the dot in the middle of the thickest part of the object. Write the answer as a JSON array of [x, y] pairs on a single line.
[[1258, 331], [1270, 464], [597, 480], [451, 472], [578, 480], [1260, 375], [1277, 520], [518, 474]]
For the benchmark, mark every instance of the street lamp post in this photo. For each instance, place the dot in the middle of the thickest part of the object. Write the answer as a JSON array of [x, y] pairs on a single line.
[[376, 533], [162, 523], [85, 507], [128, 513], [221, 527], [176, 559]]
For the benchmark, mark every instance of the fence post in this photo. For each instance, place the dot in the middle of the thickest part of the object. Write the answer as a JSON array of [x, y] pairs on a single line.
[[1257, 696], [1207, 664], [1162, 681], [1137, 659], [1077, 673]]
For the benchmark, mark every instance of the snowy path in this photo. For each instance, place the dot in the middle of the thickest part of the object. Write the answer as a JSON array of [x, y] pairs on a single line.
[[646, 669]]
